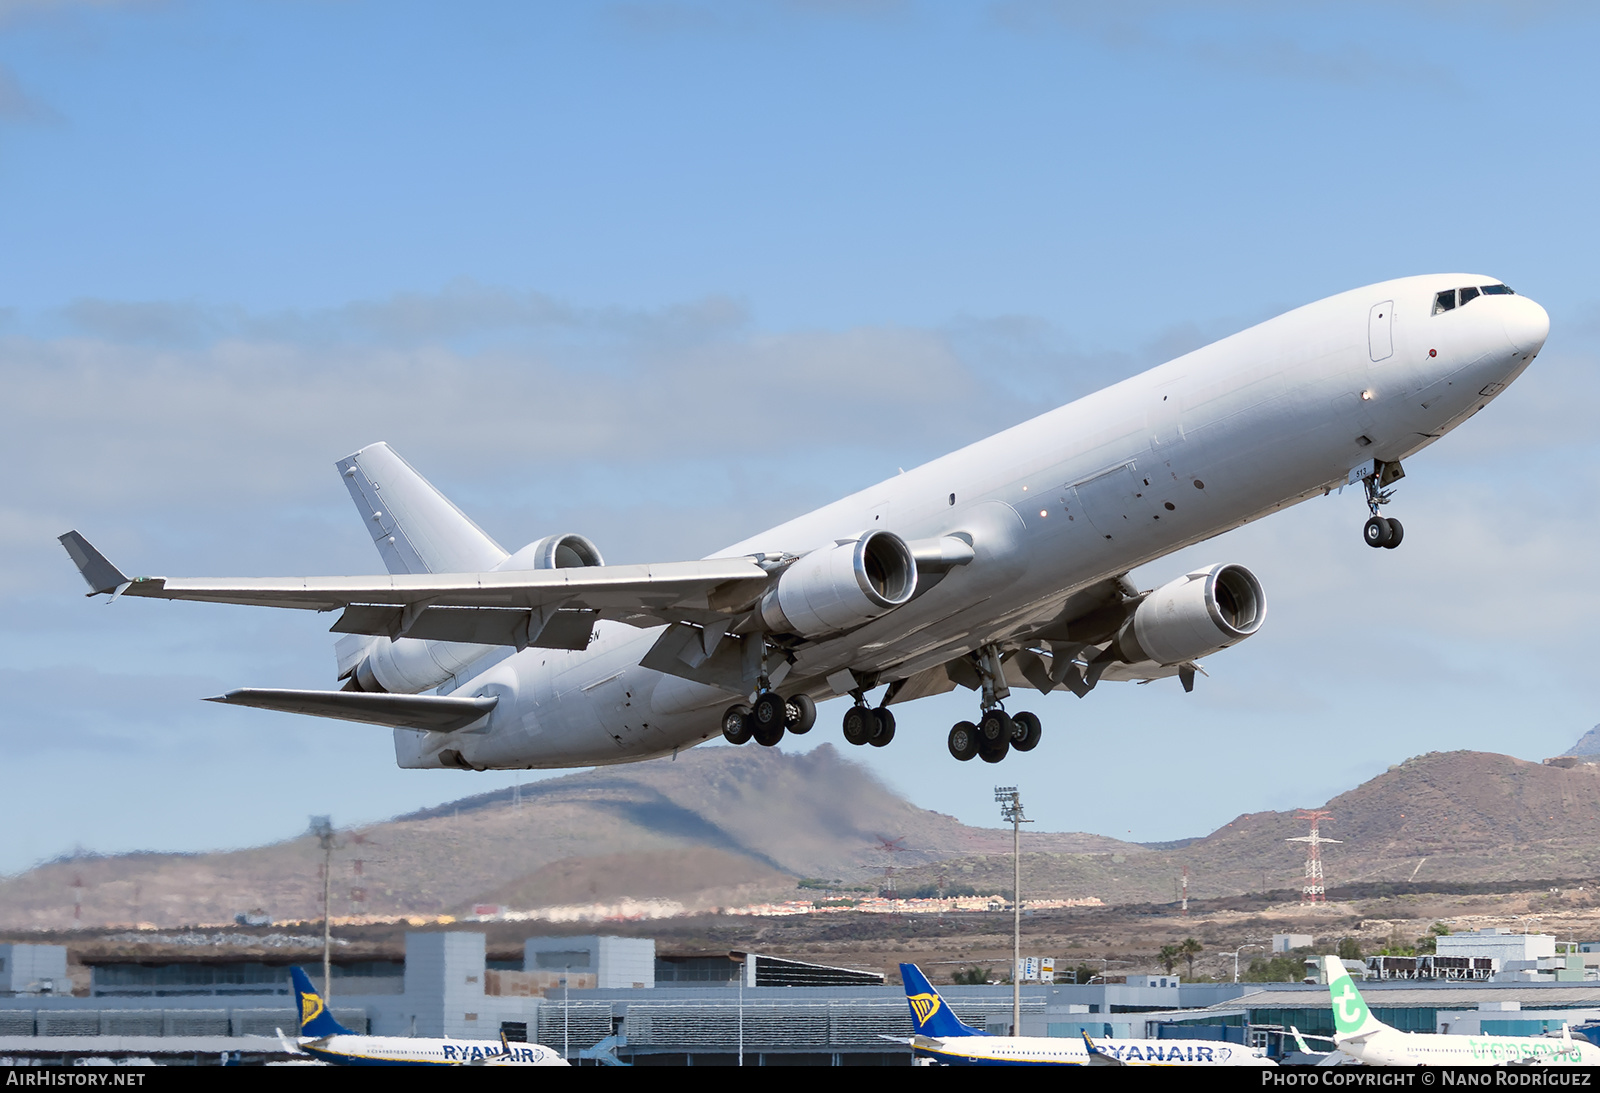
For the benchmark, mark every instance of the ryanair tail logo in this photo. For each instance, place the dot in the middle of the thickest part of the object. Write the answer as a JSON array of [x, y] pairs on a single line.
[[924, 1006], [310, 1008]]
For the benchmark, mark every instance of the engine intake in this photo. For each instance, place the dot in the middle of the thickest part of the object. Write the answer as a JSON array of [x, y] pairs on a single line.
[[846, 584], [1194, 616]]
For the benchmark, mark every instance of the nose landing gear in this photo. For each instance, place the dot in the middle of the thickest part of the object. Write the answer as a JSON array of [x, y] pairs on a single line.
[[1381, 531]]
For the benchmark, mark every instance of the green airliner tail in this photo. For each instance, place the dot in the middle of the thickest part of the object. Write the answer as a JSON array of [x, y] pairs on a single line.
[[1352, 1020]]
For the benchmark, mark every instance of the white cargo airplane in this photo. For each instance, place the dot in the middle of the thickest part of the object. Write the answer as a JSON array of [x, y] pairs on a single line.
[[1002, 565], [1362, 1036]]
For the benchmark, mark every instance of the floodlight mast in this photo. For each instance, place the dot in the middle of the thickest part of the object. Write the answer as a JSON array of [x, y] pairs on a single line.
[[1010, 802], [322, 828]]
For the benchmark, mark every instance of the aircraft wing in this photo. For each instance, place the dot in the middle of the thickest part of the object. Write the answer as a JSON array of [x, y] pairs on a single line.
[[431, 712], [477, 607]]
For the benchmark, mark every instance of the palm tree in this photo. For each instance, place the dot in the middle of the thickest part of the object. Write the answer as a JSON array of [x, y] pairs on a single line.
[[1169, 956], [1189, 950]]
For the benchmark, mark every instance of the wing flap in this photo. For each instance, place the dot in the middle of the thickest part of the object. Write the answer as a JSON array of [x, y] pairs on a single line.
[[471, 625], [430, 712]]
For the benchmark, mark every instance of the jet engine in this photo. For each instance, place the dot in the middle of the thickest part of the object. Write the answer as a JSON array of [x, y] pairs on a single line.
[[1193, 616], [411, 666], [841, 585]]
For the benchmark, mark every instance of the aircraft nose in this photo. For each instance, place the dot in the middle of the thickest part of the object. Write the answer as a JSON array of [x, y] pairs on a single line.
[[1527, 324]]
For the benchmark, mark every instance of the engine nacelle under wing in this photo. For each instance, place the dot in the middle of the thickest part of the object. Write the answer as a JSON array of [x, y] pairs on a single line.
[[1194, 616], [412, 665], [842, 585]]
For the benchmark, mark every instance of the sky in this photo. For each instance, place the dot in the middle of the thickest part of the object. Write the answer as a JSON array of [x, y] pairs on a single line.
[[665, 274]]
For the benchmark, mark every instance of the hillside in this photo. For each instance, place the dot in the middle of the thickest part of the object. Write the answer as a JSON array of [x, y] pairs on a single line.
[[725, 826], [716, 825]]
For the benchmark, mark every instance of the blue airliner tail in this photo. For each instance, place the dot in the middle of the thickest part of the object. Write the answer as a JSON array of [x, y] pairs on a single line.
[[930, 1016], [315, 1020]]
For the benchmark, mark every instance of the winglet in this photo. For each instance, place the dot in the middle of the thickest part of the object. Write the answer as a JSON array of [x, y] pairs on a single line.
[[1098, 1056], [102, 576]]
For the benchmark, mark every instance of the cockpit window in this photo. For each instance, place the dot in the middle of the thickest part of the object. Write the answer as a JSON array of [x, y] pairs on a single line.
[[1452, 298]]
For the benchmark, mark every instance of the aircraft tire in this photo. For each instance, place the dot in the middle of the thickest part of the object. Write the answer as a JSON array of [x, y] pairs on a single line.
[[885, 732], [859, 725], [1377, 532], [1028, 733], [992, 751], [769, 712], [964, 740], [767, 735], [995, 726], [1397, 532], [802, 714], [736, 723]]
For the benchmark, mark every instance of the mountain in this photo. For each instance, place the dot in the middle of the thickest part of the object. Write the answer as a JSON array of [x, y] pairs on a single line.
[[1588, 743], [725, 826], [714, 826]]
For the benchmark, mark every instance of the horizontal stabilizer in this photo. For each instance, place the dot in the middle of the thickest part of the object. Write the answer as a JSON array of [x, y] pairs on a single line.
[[430, 712], [101, 574]]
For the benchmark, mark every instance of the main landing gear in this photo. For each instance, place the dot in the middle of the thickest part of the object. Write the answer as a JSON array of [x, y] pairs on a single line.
[[770, 717], [996, 732], [1382, 531]]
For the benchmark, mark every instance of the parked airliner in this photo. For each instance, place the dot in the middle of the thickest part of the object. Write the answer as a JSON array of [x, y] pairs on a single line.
[[1362, 1036], [942, 1037], [326, 1039], [1001, 566]]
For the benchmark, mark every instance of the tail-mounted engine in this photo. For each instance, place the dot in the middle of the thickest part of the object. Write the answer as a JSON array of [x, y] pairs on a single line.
[[412, 665], [840, 586]]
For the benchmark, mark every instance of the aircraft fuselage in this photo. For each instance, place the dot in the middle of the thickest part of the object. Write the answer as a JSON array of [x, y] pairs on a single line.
[[1219, 437]]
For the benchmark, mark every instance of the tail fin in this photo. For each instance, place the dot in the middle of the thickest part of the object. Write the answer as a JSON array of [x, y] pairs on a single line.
[[315, 1020], [415, 527], [1352, 1020], [929, 1014]]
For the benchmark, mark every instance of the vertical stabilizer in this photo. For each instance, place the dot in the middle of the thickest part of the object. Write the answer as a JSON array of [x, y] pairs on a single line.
[[929, 1014], [315, 1020], [413, 525], [1352, 1020]]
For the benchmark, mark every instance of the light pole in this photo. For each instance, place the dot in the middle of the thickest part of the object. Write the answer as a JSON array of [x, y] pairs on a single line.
[[1236, 953], [322, 828], [1010, 802]]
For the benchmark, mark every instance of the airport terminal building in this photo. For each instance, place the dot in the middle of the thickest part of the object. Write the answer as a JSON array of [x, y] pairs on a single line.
[[613, 1000]]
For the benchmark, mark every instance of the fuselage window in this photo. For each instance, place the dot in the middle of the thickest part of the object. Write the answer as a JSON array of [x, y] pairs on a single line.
[[1497, 290], [1468, 294], [1444, 301]]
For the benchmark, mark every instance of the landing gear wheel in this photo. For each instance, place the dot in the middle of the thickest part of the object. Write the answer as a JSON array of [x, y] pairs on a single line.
[[1028, 731], [1398, 533], [736, 723], [885, 731], [995, 726], [859, 725], [992, 751], [964, 740], [1378, 532], [770, 712], [802, 714], [766, 735]]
